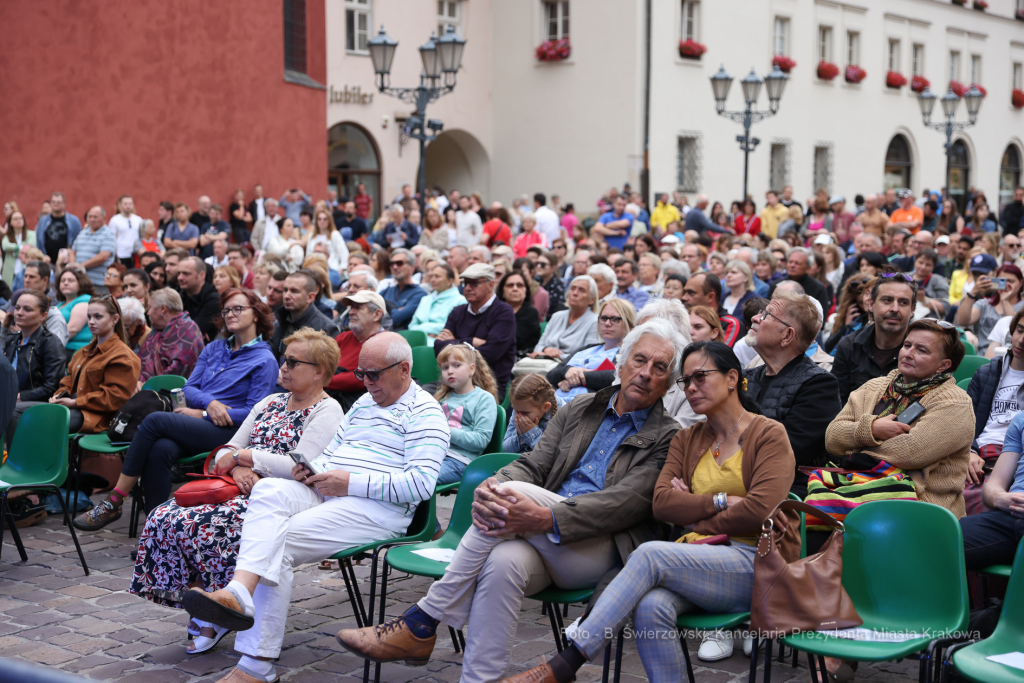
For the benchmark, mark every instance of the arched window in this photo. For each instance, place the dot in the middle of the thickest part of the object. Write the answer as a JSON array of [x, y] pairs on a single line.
[[1009, 175], [959, 173], [352, 159], [898, 163]]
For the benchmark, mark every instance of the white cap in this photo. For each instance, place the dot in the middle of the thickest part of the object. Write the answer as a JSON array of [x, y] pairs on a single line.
[[823, 239]]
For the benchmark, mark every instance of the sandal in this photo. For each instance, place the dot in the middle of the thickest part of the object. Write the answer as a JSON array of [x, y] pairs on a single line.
[[203, 643], [192, 629], [217, 610]]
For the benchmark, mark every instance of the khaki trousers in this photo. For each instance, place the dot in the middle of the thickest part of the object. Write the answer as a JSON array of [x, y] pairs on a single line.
[[484, 585]]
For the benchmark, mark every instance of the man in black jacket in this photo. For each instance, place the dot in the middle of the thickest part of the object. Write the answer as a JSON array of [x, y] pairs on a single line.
[[199, 297], [298, 311], [874, 350], [1012, 216], [796, 270], [789, 387]]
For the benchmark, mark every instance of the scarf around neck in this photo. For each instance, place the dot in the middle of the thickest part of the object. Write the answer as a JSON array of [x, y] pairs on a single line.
[[902, 393]]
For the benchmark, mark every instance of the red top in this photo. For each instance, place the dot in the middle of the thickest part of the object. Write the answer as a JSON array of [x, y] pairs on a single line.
[[751, 228], [527, 240], [350, 347], [497, 231], [364, 203]]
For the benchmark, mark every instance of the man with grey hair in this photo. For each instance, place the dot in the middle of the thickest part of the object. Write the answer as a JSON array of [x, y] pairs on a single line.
[[817, 354], [174, 345], [479, 254], [796, 270], [364, 318], [404, 296], [266, 228], [563, 514], [400, 232], [94, 247], [697, 221]]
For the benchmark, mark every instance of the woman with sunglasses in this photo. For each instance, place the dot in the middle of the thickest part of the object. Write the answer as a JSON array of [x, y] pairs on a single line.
[[231, 376], [722, 478], [185, 546], [571, 377]]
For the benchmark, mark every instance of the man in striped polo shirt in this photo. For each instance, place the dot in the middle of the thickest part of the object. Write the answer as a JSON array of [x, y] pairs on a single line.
[[381, 464]]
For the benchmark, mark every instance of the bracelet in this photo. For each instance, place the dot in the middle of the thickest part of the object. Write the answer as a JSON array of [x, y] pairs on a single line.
[[721, 501]]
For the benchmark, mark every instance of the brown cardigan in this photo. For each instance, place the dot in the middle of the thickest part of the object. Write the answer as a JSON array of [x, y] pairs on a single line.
[[107, 375], [935, 451], [768, 470]]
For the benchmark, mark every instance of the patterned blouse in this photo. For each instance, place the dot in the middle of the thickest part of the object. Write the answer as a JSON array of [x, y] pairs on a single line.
[[173, 350]]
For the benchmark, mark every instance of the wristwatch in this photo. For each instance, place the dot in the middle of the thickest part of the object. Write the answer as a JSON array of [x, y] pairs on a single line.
[[205, 415]]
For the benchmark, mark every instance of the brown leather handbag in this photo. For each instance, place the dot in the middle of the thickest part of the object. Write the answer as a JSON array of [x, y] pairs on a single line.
[[806, 595], [210, 489]]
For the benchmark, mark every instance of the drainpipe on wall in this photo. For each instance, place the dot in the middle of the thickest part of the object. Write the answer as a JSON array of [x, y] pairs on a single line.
[[645, 173]]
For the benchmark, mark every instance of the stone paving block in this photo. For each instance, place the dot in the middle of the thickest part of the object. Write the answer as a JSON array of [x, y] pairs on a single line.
[[168, 654], [319, 677], [24, 609], [44, 632], [92, 645], [118, 599], [339, 663], [37, 619], [91, 626], [68, 638], [299, 657], [114, 670], [84, 591], [204, 664], [130, 650], [85, 663], [156, 626], [48, 655], [156, 676], [127, 635]]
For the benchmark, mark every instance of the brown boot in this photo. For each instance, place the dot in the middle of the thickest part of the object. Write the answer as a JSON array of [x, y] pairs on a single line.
[[389, 642], [538, 674]]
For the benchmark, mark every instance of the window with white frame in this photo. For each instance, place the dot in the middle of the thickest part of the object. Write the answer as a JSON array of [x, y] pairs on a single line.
[[688, 163], [690, 20], [823, 167], [1018, 75], [778, 169], [852, 48], [824, 43], [917, 60], [556, 19], [975, 68], [358, 21], [894, 55], [954, 65], [449, 13], [782, 36]]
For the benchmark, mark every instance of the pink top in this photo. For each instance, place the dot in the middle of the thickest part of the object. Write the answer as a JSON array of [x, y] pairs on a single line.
[[527, 240], [569, 222]]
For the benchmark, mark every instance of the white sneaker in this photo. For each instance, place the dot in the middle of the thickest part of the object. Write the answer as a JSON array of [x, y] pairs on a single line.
[[571, 629], [715, 645], [748, 645]]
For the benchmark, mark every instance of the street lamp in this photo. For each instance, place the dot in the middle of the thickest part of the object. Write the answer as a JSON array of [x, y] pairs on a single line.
[[775, 83], [950, 101], [439, 56]]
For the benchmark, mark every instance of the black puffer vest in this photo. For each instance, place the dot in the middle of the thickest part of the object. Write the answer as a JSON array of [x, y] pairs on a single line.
[[779, 395]]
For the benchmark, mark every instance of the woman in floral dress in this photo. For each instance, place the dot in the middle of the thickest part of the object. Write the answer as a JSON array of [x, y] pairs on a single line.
[[181, 547]]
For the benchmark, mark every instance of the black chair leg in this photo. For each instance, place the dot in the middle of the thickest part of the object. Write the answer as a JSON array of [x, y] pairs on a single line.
[[813, 668], [561, 627], [822, 668], [455, 639], [686, 657], [767, 660], [373, 595], [607, 662], [565, 610], [462, 639], [351, 595], [619, 646], [6, 516], [754, 649], [383, 604], [359, 596], [71, 528], [553, 617]]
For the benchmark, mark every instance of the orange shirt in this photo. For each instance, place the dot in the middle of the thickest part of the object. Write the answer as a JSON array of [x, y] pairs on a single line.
[[914, 213]]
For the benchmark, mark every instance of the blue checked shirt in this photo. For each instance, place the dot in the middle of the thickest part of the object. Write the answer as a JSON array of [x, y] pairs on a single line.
[[588, 477], [633, 295]]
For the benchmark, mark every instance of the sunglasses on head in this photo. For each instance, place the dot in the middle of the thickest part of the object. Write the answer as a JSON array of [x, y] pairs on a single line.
[[905, 276]]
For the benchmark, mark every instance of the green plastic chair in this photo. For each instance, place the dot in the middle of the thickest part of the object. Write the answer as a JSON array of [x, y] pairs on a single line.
[[424, 365], [970, 660], [543, 326], [500, 422], [415, 337], [38, 459], [964, 383], [100, 443], [969, 347], [968, 366], [168, 382], [506, 402], [886, 540], [552, 597]]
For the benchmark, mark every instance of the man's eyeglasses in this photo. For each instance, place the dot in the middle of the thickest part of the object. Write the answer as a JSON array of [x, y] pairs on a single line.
[[292, 362], [234, 310], [373, 375], [765, 314], [697, 378], [610, 319], [399, 264]]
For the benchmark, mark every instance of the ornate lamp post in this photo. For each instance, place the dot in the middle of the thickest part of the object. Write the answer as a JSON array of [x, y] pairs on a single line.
[[950, 102], [720, 84], [442, 59]]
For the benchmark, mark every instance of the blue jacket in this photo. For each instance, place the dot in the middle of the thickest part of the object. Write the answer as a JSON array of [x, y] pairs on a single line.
[[74, 227], [238, 379], [405, 303]]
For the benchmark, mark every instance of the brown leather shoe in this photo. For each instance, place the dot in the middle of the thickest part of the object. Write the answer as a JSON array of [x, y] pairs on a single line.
[[538, 674], [389, 642]]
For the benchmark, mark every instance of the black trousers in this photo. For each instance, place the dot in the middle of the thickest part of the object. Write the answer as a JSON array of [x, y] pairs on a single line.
[[77, 419], [990, 538]]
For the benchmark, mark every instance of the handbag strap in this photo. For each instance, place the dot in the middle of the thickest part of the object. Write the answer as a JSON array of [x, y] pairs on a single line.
[[827, 520], [206, 465]]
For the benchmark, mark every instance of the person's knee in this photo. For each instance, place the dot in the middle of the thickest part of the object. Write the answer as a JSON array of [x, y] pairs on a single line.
[[508, 562], [655, 611], [157, 424], [271, 491]]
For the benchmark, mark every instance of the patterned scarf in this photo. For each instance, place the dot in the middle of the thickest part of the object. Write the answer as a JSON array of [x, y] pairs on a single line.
[[902, 393]]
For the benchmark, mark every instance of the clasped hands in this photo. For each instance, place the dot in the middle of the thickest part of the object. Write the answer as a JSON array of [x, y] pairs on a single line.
[[498, 511], [574, 377]]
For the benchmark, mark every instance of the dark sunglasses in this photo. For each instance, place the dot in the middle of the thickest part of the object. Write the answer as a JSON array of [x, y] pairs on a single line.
[[372, 375], [697, 378], [292, 362]]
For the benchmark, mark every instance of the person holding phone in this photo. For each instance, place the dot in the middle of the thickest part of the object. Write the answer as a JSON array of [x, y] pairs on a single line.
[[184, 546], [984, 305]]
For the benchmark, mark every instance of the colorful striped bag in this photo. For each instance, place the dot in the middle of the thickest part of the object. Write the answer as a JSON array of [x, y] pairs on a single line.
[[836, 491]]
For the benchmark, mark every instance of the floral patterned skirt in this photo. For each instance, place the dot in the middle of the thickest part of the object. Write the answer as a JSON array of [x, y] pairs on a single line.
[[180, 546]]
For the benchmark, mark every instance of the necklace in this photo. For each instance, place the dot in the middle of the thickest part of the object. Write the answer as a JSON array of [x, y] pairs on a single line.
[[719, 444]]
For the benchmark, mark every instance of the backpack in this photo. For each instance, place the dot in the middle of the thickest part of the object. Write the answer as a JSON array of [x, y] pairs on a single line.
[[126, 421]]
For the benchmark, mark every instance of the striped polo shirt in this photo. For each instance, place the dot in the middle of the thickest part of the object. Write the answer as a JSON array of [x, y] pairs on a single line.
[[393, 453]]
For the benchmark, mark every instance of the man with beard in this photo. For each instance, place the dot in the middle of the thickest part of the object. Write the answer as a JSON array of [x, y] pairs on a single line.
[[874, 350]]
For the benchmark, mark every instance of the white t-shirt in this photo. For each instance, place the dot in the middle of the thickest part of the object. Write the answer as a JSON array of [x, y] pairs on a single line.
[[999, 331], [469, 228], [1004, 408], [126, 232], [548, 223]]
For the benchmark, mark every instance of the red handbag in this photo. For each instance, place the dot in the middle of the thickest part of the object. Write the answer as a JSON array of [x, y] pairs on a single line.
[[210, 489]]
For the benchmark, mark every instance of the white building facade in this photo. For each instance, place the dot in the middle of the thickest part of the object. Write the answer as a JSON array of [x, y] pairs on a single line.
[[625, 99]]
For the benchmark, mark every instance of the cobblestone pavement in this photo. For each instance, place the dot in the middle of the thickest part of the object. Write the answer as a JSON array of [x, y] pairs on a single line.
[[52, 615]]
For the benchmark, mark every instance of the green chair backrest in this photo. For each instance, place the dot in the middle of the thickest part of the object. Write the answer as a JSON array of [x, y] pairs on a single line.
[[964, 383], [414, 337], [543, 326], [479, 469], [39, 449], [424, 365], [1011, 621], [970, 350], [968, 366], [803, 525], [424, 520], [903, 564], [165, 382], [506, 402], [500, 423]]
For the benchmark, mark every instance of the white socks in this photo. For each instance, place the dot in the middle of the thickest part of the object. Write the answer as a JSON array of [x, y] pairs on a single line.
[[257, 668], [241, 594]]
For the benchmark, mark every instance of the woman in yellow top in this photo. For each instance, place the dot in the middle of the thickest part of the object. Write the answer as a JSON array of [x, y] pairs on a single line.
[[962, 281]]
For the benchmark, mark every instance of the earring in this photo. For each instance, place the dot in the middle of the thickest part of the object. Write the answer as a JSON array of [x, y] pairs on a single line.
[[732, 388]]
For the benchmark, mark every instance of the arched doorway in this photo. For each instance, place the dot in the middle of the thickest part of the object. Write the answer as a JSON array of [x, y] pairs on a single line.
[[898, 163], [959, 173], [457, 161], [1009, 175], [352, 158]]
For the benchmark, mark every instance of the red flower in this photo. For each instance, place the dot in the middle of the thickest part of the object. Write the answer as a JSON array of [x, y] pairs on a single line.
[[855, 74], [827, 71], [919, 83], [1019, 14], [958, 88], [691, 49], [894, 79], [554, 50], [1017, 98], [784, 63], [984, 93], [980, 4]]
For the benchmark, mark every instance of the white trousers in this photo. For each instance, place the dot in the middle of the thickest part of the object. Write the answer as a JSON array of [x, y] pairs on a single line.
[[289, 524]]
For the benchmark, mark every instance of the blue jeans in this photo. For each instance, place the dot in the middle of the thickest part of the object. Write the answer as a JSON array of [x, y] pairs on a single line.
[[990, 538], [451, 471]]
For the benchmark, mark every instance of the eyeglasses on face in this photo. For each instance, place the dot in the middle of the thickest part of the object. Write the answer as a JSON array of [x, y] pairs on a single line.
[[292, 362], [697, 378], [399, 264], [765, 314], [610, 319], [234, 310], [373, 375]]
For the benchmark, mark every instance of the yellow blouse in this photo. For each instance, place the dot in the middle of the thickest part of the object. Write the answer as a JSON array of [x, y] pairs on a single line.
[[710, 477]]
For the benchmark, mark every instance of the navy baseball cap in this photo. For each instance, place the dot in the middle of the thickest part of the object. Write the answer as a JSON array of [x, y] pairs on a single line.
[[983, 263]]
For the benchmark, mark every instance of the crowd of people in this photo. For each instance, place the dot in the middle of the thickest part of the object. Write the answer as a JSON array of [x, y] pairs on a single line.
[[681, 368]]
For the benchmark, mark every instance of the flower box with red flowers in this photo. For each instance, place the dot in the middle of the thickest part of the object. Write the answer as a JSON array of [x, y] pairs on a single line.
[[960, 2], [784, 63], [895, 80], [827, 71], [984, 93], [855, 74], [1017, 98], [958, 88], [691, 49], [554, 50], [1019, 14], [919, 83], [980, 5]]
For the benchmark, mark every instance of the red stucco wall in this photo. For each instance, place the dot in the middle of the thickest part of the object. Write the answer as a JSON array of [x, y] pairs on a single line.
[[160, 100]]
